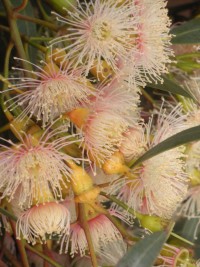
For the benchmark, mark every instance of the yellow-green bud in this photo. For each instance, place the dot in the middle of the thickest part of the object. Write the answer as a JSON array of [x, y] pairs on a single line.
[[61, 6], [152, 223]]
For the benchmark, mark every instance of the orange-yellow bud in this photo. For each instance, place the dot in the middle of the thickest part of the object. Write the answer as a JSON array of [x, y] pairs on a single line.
[[106, 71], [80, 180], [116, 164], [65, 187], [78, 116], [58, 56]]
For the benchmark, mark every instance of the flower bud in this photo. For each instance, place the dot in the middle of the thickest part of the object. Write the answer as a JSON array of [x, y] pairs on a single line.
[[58, 56], [81, 181], [78, 116], [106, 71], [116, 164], [60, 6], [152, 223]]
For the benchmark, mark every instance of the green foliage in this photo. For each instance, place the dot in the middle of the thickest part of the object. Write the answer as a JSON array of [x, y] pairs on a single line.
[[27, 28], [144, 253], [178, 139], [169, 86], [187, 33]]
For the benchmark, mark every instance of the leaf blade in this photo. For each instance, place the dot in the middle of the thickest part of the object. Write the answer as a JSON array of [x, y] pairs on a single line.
[[27, 28], [186, 136], [144, 253], [170, 86], [189, 230], [187, 33]]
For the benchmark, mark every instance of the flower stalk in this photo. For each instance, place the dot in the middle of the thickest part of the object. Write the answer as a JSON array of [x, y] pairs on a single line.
[[84, 224], [20, 245], [41, 255]]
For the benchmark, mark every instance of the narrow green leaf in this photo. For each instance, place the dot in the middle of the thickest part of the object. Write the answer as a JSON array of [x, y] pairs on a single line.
[[191, 232], [197, 252], [144, 253], [187, 33], [170, 86], [178, 139], [8, 214], [189, 229]]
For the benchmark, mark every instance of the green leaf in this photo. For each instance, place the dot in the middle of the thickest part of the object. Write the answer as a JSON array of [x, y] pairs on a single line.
[[191, 232], [144, 253], [189, 229], [27, 28], [187, 33], [170, 86], [178, 139]]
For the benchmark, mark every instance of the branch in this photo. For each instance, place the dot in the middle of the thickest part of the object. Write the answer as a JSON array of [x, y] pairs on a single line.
[[21, 7]]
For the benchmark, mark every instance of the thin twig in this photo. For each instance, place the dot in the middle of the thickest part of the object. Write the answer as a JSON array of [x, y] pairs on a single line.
[[21, 7]]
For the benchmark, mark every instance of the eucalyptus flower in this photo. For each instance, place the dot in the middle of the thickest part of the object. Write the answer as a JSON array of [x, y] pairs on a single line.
[[103, 232], [106, 119], [33, 166], [44, 221], [160, 183], [99, 29], [50, 91]]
